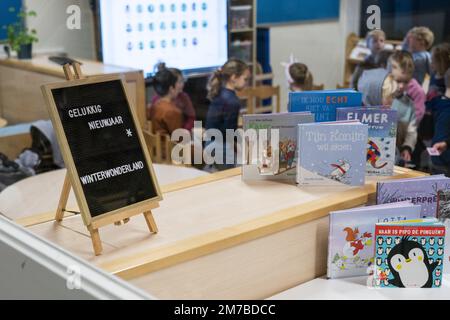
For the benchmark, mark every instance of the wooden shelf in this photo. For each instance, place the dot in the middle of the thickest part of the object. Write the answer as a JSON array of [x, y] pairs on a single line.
[[244, 33], [241, 30]]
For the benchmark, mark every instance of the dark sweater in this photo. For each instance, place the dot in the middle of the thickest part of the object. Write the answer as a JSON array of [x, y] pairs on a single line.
[[223, 112], [440, 108]]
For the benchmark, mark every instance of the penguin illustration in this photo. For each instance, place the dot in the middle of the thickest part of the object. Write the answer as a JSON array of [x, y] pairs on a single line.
[[389, 241], [430, 261], [439, 261], [388, 249], [409, 265], [397, 240], [430, 251], [414, 239], [380, 240], [437, 282], [431, 241], [378, 261], [423, 241], [441, 241], [380, 250], [438, 272], [440, 251]]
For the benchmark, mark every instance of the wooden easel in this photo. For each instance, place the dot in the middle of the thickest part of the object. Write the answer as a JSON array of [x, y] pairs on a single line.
[[124, 217]]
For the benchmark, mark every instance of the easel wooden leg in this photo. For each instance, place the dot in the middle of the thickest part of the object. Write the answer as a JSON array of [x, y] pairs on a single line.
[[63, 199], [150, 221], [96, 242]]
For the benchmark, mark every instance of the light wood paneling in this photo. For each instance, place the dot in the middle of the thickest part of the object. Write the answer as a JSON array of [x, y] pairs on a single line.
[[21, 99], [254, 270]]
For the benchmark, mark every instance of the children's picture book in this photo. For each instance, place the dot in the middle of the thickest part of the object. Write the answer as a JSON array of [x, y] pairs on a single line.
[[271, 153], [382, 124], [351, 236], [422, 190], [323, 103], [409, 254], [443, 214], [332, 153]]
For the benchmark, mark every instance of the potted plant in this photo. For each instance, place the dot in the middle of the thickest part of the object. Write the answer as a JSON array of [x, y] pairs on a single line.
[[20, 38]]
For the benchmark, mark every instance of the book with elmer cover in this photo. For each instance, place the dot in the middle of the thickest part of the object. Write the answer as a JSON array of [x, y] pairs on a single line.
[[382, 124]]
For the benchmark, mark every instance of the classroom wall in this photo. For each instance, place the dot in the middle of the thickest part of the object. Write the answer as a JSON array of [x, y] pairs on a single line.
[[318, 44], [52, 32]]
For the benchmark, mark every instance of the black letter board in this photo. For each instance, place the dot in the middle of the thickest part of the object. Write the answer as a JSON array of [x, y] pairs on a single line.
[[102, 146]]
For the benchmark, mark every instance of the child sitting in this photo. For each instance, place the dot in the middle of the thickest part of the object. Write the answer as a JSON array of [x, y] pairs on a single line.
[[379, 61], [440, 109], [165, 116], [182, 99], [300, 78], [440, 63], [418, 41], [375, 41]]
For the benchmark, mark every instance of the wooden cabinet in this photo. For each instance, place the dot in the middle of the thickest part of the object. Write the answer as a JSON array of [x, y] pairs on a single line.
[[21, 99]]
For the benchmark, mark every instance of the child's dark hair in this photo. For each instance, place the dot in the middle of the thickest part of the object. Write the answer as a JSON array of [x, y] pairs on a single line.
[[447, 78], [440, 55], [232, 67], [301, 76], [381, 58], [163, 80]]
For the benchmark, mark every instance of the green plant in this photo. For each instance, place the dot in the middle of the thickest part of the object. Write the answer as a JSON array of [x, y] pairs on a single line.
[[18, 33]]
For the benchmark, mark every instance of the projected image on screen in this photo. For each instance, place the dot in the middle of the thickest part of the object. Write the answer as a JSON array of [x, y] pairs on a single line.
[[187, 34]]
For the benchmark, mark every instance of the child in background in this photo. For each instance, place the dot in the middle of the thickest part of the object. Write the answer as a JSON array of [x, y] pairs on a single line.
[[440, 109], [225, 105], [379, 87], [418, 41], [440, 63], [182, 99], [402, 66], [165, 116], [375, 41], [380, 61], [299, 77]]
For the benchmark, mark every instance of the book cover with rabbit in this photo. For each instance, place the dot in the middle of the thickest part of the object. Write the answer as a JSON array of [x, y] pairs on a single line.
[[332, 153]]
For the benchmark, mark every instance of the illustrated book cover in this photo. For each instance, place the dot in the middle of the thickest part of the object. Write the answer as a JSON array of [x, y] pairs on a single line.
[[332, 153], [351, 236], [421, 190], [382, 124], [323, 103], [409, 254], [271, 152]]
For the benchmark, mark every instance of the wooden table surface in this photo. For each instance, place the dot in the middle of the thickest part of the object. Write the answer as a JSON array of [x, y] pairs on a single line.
[[41, 193], [219, 237], [205, 215]]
